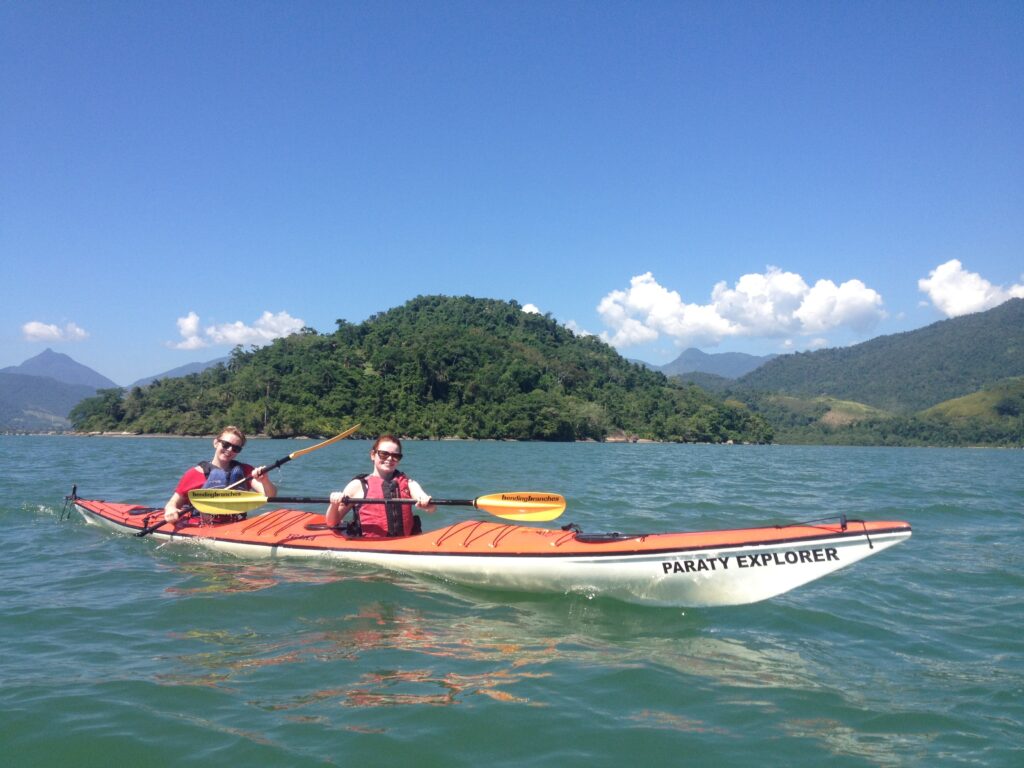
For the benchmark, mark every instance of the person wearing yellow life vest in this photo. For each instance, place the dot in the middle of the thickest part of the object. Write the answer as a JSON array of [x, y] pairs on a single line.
[[385, 482]]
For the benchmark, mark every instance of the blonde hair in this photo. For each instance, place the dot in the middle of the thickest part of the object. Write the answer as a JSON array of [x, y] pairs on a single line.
[[234, 431]]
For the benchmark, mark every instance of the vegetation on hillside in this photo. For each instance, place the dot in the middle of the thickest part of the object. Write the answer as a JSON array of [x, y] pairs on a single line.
[[435, 367], [907, 372], [37, 403], [464, 367], [993, 417]]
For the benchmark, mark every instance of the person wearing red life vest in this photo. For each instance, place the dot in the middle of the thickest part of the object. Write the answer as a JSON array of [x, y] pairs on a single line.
[[385, 482], [223, 471]]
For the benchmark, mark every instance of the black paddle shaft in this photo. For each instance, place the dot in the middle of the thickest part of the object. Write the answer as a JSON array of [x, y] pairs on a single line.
[[316, 500], [160, 521]]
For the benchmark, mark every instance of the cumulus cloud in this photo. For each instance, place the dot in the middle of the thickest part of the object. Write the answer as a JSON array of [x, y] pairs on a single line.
[[36, 331], [531, 309], [827, 305], [955, 291], [268, 327], [772, 304], [576, 328], [188, 327], [640, 314]]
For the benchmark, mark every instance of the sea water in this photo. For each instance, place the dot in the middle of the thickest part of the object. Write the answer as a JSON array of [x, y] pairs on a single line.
[[116, 650]]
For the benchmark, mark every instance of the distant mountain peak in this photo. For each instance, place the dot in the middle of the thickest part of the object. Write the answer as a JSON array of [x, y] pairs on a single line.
[[181, 370], [729, 365], [62, 368]]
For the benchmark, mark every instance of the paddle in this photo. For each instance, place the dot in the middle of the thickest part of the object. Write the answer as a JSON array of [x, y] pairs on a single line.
[[160, 521], [303, 451], [521, 505]]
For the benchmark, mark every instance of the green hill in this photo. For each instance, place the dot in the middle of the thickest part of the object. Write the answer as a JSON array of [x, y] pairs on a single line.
[[1004, 399], [436, 367], [907, 372], [990, 417], [993, 416], [37, 403]]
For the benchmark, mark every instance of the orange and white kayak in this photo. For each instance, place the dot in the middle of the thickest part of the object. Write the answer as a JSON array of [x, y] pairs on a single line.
[[695, 569]]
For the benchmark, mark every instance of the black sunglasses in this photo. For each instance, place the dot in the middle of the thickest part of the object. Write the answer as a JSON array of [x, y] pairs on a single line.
[[230, 446], [385, 455]]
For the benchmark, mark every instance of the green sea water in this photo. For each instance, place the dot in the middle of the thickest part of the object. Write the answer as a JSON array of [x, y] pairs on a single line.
[[116, 650]]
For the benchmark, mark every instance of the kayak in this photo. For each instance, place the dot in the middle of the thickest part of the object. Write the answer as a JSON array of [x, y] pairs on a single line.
[[692, 569]]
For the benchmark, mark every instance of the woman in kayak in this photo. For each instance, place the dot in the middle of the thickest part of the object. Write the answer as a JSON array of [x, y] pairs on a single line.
[[385, 482], [222, 472]]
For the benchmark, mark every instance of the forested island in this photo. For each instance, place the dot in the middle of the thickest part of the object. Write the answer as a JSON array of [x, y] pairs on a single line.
[[462, 367], [436, 367]]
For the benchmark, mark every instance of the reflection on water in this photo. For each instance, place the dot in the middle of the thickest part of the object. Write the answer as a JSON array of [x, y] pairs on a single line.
[[674, 722], [219, 580], [881, 749], [363, 642], [406, 653], [226, 577]]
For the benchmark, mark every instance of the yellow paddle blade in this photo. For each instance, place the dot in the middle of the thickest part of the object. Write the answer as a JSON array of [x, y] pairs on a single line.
[[221, 501], [533, 506], [336, 438]]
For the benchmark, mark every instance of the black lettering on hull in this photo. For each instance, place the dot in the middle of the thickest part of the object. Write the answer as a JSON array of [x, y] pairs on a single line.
[[756, 560], [695, 566]]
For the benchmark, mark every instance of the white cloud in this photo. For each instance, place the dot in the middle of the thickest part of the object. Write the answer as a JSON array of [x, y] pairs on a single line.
[[531, 309], [188, 327], [852, 305], [955, 291], [760, 304], [36, 331], [576, 328], [772, 304], [647, 309], [268, 327]]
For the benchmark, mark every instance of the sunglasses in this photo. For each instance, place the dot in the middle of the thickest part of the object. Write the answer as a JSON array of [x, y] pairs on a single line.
[[230, 446], [385, 455]]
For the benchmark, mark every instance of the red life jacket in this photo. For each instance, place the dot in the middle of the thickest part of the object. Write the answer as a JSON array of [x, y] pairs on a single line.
[[379, 521]]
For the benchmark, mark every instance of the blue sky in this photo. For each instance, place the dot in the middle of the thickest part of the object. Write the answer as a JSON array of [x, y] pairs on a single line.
[[757, 177]]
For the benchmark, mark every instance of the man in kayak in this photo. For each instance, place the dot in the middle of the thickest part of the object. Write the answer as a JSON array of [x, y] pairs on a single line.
[[222, 472], [385, 482]]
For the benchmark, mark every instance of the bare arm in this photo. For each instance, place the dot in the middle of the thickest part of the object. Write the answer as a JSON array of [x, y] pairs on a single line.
[[421, 496], [337, 509], [261, 482], [172, 509]]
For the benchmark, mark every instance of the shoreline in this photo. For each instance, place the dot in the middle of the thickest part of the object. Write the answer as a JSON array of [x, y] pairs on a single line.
[[404, 438], [615, 440]]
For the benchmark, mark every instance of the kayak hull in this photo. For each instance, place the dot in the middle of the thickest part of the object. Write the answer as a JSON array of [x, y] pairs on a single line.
[[696, 569]]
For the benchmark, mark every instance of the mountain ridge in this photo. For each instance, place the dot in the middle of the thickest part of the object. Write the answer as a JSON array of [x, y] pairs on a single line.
[[181, 370], [38, 403], [38, 394], [910, 371], [728, 365], [62, 368]]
